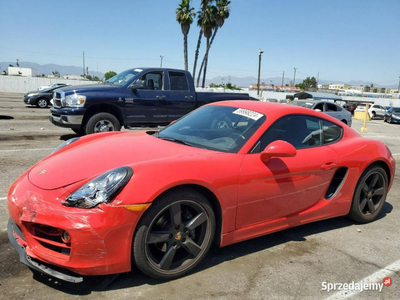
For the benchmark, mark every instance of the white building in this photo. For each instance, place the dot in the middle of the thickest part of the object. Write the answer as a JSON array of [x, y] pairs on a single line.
[[27, 72]]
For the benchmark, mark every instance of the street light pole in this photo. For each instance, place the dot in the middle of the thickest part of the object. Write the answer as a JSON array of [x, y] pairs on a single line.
[[161, 60], [259, 70], [294, 77], [398, 88]]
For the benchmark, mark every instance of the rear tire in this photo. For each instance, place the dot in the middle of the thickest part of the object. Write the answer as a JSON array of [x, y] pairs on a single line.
[[373, 115], [102, 122], [174, 234], [370, 195]]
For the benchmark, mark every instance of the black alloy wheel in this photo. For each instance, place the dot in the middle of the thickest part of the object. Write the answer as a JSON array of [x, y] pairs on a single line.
[[174, 235], [370, 195]]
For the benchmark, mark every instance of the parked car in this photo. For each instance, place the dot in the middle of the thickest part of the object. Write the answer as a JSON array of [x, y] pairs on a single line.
[[136, 97], [54, 85], [392, 115], [39, 98], [374, 110], [350, 107], [329, 108], [272, 100], [103, 203]]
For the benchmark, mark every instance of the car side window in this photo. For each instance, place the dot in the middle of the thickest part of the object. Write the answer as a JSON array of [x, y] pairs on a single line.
[[178, 81], [301, 131], [331, 132], [319, 106], [152, 81], [331, 107]]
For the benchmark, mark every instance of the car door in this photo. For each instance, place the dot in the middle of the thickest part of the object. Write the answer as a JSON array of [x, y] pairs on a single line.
[[288, 185], [181, 100], [147, 104], [334, 110]]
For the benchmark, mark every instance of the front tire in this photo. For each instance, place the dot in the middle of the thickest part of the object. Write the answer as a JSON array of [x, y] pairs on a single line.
[[370, 195], [42, 103], [102, 122], [174, 234]]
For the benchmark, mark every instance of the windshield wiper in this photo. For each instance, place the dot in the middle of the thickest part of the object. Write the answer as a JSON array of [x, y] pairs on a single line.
[[177, 141]]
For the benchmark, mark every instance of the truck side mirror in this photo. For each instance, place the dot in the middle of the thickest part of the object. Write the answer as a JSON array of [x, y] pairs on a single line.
[[138, 84]]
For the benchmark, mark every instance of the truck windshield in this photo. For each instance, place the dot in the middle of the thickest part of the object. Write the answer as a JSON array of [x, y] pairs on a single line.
[[123, 77], [219, 128]]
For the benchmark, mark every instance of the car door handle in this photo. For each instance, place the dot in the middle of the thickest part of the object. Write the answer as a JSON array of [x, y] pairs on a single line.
[[188, 97], [160, 97], [328, 166]]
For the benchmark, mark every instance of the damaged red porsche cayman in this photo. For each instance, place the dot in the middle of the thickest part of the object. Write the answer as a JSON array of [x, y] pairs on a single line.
[[227, 172]]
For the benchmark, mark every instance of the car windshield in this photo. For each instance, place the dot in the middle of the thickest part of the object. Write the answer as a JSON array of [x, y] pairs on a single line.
[[218, 128], [123, 77], [306, 104], [396, 109]]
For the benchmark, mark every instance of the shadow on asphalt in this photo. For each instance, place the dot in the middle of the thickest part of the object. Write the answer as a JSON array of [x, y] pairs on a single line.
[[3, 117], [215, 257]]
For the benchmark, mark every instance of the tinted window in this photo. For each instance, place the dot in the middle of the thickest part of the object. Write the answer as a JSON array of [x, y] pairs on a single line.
[[331, 132], [332, 107], [178, 81], [301, 131], [152, 81]]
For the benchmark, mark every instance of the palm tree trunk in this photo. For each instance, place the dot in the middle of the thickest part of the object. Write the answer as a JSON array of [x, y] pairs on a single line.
[[205, 58], [196, 55], [185, 53], [202, 64]]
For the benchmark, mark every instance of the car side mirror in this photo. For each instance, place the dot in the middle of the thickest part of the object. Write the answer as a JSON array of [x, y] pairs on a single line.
[[138, 84], [278, 148]]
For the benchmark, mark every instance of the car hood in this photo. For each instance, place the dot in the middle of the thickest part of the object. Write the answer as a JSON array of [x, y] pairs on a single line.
[[87, 159], [88, 88]]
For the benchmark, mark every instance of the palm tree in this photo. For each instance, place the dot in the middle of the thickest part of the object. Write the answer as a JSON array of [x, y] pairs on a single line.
[[184, 16], [200, 17], [220, 13], [208, 25]]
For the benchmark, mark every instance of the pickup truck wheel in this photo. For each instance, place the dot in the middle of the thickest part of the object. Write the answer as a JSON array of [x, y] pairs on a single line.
[[42, 103], [102, 122]]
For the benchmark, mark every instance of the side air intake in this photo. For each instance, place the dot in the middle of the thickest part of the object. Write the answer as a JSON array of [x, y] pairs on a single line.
[[336, 183]]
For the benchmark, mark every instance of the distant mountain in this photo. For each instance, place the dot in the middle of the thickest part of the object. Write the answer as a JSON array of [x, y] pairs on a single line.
[[246, 81], [47, 69]]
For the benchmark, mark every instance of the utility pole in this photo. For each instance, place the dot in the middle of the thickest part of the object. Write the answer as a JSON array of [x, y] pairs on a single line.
[[83, 63], [260, 52], [398, 88], [283, 78], [161, 60], [294, 77], [87, 71], [17, 62]]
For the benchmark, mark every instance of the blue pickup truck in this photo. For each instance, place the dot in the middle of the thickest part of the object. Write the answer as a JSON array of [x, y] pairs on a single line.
[[133, 98]]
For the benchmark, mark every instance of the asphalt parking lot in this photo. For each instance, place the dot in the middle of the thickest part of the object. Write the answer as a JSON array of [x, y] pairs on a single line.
[[286, 265]]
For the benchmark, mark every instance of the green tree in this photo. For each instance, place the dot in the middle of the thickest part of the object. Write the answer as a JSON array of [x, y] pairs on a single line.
[[300, 85], [309, 83], [200, 19], [184, 16], [89, 77], [95, 78], [109, 74], [56, 73], [367, 89], [219, 13]]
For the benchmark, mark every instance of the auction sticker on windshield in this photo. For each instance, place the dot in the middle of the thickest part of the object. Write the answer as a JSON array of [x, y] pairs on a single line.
[[248, 113]]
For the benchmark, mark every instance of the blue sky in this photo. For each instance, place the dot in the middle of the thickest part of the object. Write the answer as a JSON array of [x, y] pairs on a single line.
[[342, 40]]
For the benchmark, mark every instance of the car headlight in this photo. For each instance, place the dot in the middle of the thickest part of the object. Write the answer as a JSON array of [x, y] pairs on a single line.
[[75, 100], [102, 189], [64, 144], [31, 95]]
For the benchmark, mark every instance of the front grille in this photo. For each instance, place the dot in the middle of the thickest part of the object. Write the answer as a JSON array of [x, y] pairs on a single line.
[[57, 99], [50, 238]]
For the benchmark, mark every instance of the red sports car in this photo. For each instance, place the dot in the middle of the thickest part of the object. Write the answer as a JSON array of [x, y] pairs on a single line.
[[225, 173]]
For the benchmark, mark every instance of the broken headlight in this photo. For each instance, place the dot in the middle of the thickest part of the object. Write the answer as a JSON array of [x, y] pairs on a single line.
[[102, 189]]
